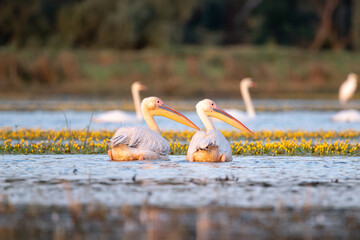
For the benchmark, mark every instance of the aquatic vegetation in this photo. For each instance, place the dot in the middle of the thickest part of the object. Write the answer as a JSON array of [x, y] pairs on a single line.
[[290, 147], [39, 134], [54, 147], [294, 147], [268, 135], [273, 143]]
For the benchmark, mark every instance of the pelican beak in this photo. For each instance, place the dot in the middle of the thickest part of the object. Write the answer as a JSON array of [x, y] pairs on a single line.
[[224, 116], [168, 112], [143, 87], [253, 84]]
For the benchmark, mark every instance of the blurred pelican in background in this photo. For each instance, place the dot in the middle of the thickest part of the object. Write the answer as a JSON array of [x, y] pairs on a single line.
[[210, 145], [142, 143], [348, 88], [117, 116], [245, 85], [346, 91]]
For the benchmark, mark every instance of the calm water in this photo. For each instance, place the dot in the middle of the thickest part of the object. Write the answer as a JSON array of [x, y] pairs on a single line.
[[246, 182], [88, 197], [272, 114], [284, 120]]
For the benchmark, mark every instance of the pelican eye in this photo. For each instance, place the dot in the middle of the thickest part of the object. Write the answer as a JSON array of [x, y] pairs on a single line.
[[157, 101]]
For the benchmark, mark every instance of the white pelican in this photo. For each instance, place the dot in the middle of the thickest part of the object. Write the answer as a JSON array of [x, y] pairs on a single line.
[[141, 143], [245, 84], [348, 88], [211, 145], [117, 116], [350, 115], [346, 91]]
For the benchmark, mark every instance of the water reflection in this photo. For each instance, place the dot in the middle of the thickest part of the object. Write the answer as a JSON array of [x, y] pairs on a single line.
[[93, 221]]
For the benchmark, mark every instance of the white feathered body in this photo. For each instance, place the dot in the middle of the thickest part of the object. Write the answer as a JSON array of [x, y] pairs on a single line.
[[129, 143], [117, 116], [346, 116], [209, 146]]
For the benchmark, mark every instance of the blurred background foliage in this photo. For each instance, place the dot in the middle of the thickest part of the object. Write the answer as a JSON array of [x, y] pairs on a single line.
[[101, 46], [136, 24]]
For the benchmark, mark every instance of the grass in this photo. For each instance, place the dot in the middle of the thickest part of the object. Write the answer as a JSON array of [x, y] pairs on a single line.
[[176, 72], [288, 143]]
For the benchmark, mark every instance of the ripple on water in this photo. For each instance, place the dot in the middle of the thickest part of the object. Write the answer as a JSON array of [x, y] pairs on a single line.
[[260, 181]]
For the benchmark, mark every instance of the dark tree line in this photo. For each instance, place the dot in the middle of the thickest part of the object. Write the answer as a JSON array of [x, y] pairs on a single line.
[[136, 24]]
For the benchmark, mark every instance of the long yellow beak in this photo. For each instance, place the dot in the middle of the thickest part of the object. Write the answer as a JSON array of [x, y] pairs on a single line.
[[224, 116], [168, 112]]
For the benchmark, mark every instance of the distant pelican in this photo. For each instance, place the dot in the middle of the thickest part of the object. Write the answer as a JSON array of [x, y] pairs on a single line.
[[141, 143], [346, 116], [245, 84], [211, 145], [348, 88], [117, 116], [346, 91]]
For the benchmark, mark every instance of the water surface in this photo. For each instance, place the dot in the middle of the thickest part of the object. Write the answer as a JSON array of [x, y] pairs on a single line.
[[283, 120], [262, 181], [90, 197]]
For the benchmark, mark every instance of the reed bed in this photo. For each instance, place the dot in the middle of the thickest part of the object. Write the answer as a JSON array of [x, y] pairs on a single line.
[[272, 143]]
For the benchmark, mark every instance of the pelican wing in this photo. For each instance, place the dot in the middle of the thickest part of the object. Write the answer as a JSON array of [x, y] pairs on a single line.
[[203, 140], [141, 138]]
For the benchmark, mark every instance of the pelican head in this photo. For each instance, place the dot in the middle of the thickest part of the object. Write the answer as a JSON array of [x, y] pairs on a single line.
[[154, 106], [247, 83], [138, 86], [353, 77], [212, 110]]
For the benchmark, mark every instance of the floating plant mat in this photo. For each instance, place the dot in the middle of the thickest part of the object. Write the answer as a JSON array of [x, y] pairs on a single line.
[[81, 135], [272, 143]]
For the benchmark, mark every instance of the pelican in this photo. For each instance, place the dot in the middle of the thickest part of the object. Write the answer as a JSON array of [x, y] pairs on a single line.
[[348, 88], [141, 143], [350, 115], [346, 91], [211, 145], [117, 116], [245, 84]]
